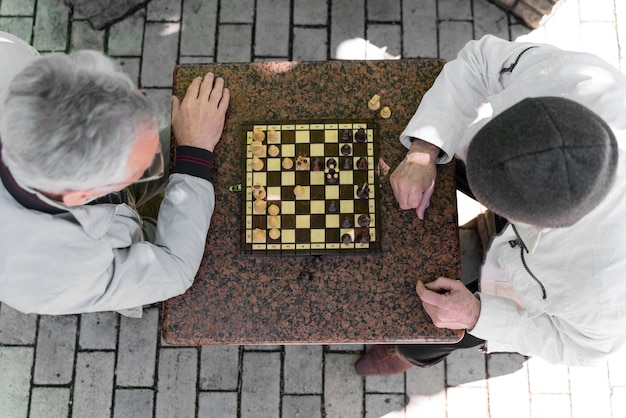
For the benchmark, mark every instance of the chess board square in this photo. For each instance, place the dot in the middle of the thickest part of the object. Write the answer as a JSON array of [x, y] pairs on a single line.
[[359, 149], [317, 150], [360, 177], [317, 177], [332, 192], [288, 150], [260, 178], [303, 149], [345, 177], [288, 235], [317, 192], [303, 236], [286, 193], [346, 206], [331, 150], [273, 193], [288, 221], [361, 206], [273, 178], [331, 136], [332, 236], [317, 136], [259, 221], [288, 178], [288, 208], [302, 137], [332, 221], [304, 196], [273, 221], [303, 207], [347, 191], [318, 221], [317, 235], [303, 222], [317, 206], [287, 136], [303, 178]]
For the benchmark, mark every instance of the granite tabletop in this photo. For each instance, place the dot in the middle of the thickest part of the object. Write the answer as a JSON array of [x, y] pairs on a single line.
[[249, 299]]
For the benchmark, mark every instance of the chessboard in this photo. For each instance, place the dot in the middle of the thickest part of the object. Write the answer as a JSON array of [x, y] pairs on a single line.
[[310, 187]]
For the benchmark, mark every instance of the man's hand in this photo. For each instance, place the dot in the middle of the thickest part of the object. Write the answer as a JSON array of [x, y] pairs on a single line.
[[198, 120], [449, 303], [413, 181]]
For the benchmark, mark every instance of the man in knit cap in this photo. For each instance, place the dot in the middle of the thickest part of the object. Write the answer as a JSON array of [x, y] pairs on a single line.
[[541, 132]]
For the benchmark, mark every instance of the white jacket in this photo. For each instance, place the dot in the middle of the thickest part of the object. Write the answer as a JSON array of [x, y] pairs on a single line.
[[582, 268]]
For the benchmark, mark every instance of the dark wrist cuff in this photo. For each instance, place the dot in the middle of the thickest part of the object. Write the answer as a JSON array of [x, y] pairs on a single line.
[[194, 161]]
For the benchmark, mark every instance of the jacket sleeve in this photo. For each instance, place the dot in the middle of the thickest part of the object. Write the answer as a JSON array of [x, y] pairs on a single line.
[[453, 103]]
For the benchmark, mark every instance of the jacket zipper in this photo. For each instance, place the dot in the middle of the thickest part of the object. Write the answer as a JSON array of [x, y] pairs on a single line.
[[518, 241]]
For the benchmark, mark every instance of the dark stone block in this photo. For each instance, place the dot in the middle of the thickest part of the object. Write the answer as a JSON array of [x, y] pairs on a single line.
[[103, 13]]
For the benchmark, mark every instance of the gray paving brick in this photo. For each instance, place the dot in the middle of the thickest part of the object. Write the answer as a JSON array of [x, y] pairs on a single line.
[[47, 402], [551, 406], [16, 327], [426, 390], [547, 378], [302, 406], [126, 36], [237, 11], [347, 22], [617, 368], [618, 402], [310, 44], [272, 28], [164, 10], [22, 27], [160, 52], [136, 354], [93, 388], [217, 405], [466, 367], [386, 35], [343, 388], [176, 396], [307, 12], [130, 67], [303, 369], [233, 43], [85, 37], [385, 384], [198, 28], [466, 401], [260, 386], [508, 385], [384, 11], [452, 37], [98, 331], [455, 9], [51, 25], [219, 367], [17, 7], [590, 392], [346, 347], [490, 19], [377, 405], [195, 60], [56, 343], [263, 347], [419, 25], [15, 366], [133, 403]]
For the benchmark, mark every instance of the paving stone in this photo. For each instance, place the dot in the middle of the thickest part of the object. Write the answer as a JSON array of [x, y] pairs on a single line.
[[217, 405], [426, 390], [237, 11], [15, 367], [384, 11], [597, 10], [17, 7], [260, 386], [419, 26], [347, 22], [307, 12], [160, 53], [54, 361], [98, 331], [377, 405], [385, 384], [547, 378], [17, 328], [178, 373], [599, 38], [136, 355], [466, 402], [303, 369], [263, 347], [386, 35], [199, 16], [134, 403], [590, 392], [310, 44], [302, 406], [85, 37], [164, 10], [47, 402], [272, 28], [126, 36], [22, 27], [551, 406], [103, 12], [233, 43], [93, 388], [455, 10], [452, 38], [343, 388], [51, 24], [508, 386], [195, 60], [617, 368], [618, 402], [352, 348], [130, 67], [219, 367], [466, 367], [490, 19]]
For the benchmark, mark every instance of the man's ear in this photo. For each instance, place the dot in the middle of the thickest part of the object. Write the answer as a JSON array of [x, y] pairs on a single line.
[[77, 197]]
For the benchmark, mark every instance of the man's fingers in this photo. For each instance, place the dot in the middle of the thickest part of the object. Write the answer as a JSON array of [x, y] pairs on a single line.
[[193, 89], [175, 106], [225, 99], [206, 87], [216, 94]]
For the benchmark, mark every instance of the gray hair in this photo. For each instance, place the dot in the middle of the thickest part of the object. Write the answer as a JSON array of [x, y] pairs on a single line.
[[69, 122]]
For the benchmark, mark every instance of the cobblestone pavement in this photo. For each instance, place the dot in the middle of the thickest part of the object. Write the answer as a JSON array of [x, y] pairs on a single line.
[[103, 365]]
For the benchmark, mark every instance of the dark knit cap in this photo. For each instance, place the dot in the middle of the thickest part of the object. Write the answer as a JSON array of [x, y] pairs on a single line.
[[546, 161]]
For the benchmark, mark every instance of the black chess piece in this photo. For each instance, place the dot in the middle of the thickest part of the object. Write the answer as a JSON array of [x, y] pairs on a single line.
[[346, 222], [364, 220], [346, 149], [346, 163], [365, 237], [360, 136], [346, 239], [333, 207], [346, 135], [332, 177], [363, 191], [316, 164], [331, 164], [362, 163]]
